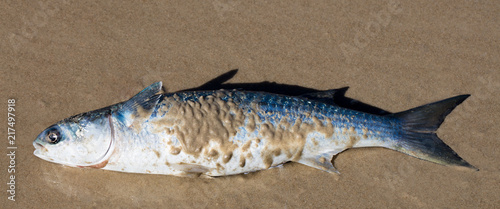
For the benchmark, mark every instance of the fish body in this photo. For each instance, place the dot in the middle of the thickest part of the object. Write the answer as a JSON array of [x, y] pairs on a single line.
[[226, 132]]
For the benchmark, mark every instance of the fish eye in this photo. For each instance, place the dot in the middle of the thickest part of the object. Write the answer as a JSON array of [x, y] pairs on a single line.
[[53, 136]]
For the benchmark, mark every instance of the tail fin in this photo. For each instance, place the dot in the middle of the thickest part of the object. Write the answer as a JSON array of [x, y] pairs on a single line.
[[418, 137]]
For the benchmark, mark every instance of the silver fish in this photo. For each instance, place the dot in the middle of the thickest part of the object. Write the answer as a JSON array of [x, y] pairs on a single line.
[[225, 132]]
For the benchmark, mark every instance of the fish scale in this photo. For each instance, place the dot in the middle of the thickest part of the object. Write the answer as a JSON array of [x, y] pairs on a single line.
[[217, 133]]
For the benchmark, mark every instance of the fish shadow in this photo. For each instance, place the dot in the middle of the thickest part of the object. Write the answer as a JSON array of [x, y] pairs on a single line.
[[339, 97]]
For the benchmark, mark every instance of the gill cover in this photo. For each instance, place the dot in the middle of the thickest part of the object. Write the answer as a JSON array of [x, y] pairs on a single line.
[[97, 159]]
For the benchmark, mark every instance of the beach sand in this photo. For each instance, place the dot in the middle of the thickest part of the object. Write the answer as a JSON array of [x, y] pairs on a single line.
[[60, 58]]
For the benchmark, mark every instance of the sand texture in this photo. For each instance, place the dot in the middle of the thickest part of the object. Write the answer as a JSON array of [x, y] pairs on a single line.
[[63, 57]]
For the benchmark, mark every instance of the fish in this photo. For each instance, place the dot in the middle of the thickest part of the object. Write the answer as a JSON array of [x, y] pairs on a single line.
[[226, 132]]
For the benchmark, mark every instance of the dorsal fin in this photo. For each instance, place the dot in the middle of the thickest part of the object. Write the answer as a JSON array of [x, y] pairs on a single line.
[[326, 96], [141, 105]]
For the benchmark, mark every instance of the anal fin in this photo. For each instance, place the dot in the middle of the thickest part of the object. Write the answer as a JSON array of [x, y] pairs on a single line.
[[321, 162]]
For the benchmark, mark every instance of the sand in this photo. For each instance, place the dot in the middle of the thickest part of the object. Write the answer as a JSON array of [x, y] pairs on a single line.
[[60, 58]]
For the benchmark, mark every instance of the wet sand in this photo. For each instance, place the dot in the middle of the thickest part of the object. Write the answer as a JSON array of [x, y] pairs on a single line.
[[60, 58]]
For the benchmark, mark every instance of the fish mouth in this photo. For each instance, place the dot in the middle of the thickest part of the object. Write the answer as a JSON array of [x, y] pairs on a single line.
[[38, 148]]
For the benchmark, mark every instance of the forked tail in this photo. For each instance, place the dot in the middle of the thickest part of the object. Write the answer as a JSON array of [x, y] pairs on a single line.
[[418, 137]]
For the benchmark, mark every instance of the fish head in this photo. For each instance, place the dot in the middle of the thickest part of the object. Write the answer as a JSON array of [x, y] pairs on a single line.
[[83, 140], [87, 139]]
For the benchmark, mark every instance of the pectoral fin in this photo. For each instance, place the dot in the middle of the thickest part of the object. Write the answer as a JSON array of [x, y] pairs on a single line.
[[141, 105]]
